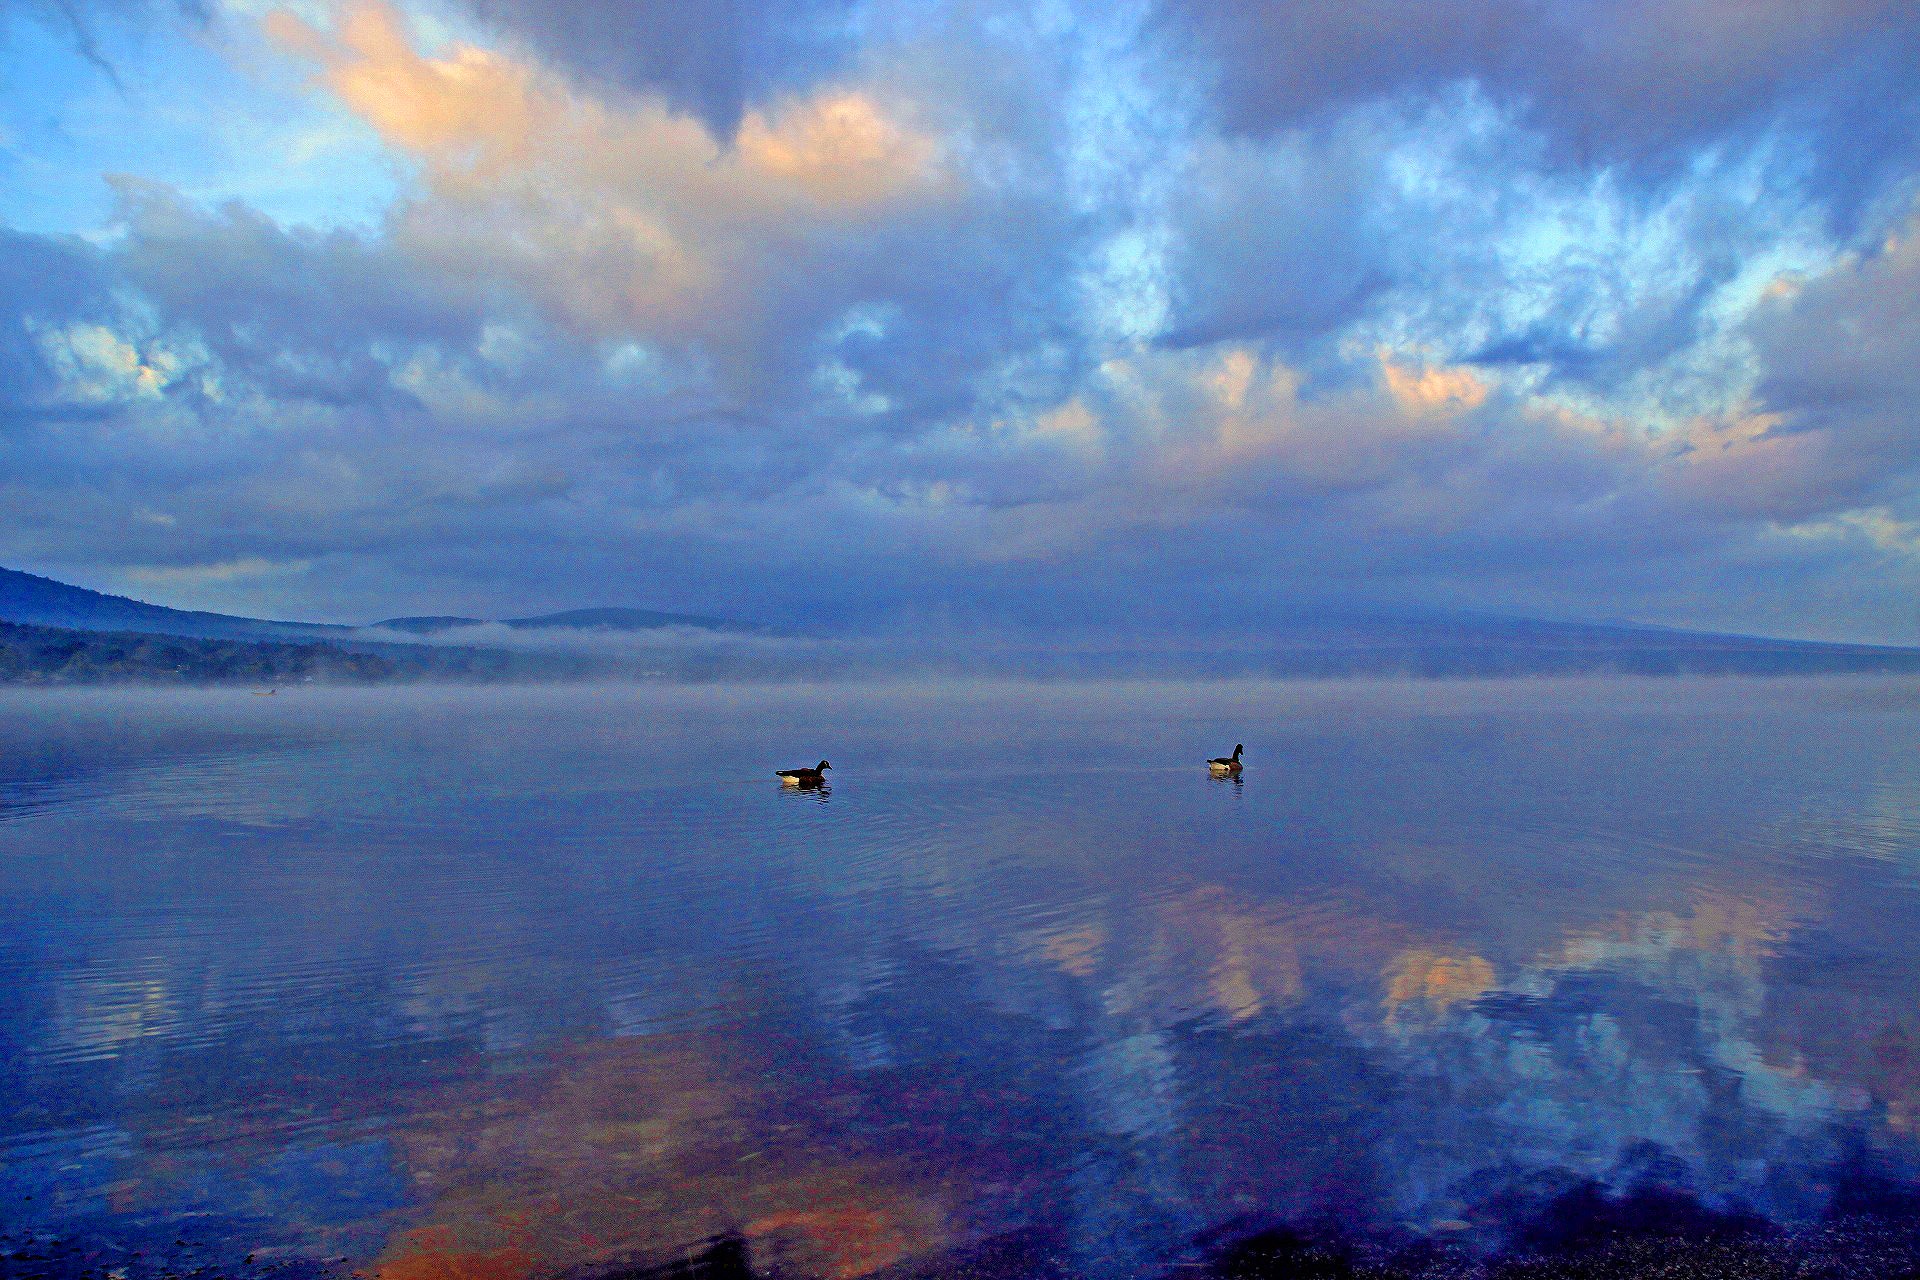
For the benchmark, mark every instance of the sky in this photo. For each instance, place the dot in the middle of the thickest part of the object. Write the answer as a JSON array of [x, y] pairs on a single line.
[[1155, 315]]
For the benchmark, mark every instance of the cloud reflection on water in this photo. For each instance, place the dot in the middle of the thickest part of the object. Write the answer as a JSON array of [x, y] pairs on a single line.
[[537, 1017]]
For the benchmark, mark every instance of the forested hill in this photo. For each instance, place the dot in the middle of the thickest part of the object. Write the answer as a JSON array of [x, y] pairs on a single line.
[[60, 655], [43, 602]]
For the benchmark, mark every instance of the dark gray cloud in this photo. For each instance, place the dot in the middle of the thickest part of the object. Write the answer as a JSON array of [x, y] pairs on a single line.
[[303, 313], [1284, 242], [1842, 360], [714, 59], [40, 276], [1616, 80]]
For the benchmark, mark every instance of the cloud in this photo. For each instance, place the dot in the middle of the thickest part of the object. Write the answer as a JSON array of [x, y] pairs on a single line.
[[81, 22], [1842, 344], [1278, 239], [1008, 322], [43, 279], [788, 253], [1622, 80], [709, 60]]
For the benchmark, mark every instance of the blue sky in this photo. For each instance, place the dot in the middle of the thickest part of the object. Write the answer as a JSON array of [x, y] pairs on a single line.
[[1160, 315]]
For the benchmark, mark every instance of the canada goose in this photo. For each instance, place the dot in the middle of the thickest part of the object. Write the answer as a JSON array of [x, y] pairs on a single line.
[[803, 777], [1227, 764]]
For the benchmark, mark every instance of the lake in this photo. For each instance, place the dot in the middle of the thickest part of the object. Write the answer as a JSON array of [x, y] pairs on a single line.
[[512, 982]]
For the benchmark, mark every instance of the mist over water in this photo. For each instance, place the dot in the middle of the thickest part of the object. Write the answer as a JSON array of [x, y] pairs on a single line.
[[524, 980]]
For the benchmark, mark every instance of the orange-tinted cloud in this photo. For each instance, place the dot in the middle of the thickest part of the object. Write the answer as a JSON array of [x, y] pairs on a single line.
[[626, 218]]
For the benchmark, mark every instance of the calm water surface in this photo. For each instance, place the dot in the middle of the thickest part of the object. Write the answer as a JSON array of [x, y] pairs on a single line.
[[516, 982]]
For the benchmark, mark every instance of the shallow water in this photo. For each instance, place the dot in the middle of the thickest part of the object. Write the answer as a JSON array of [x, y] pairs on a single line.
[[521, 981]]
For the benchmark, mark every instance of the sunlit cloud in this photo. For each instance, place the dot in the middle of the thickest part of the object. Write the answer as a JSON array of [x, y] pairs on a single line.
[[899, 312], [623, 219]]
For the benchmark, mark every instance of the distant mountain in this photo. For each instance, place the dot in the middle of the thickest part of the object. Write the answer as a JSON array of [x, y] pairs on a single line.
[[571, 619], [1455, 645], [216, 646], [423, 626], [66, 655], [30, 599]]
